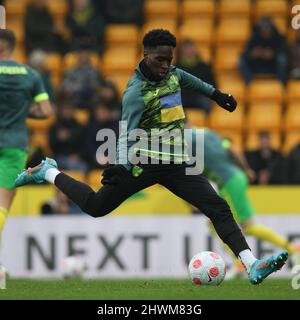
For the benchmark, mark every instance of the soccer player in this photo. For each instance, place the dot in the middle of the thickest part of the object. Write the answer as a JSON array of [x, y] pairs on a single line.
[[152, 102], [20, 85], [229, 169]]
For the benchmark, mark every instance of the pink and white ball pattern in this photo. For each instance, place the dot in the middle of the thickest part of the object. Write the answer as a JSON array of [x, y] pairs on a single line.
[[207, 268]]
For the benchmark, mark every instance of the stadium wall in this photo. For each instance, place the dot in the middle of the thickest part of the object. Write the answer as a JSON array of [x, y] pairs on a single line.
[[157, 200], [121, 246]]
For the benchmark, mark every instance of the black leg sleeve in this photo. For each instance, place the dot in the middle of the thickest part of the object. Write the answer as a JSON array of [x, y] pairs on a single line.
[[102, 202], [197, 191]]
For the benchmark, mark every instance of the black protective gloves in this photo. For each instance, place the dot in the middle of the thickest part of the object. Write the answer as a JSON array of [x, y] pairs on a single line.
[[116, 173], [224, 100]]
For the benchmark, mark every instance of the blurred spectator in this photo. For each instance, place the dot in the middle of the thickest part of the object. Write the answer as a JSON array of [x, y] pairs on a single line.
[[295, 58], [37, 60], [124, 11], [265, 53], [40, 29], [293, 165], [66, 137], [265, 161], [103, 117], [190, 61], [108, 93], [81, 82], [86, 26], [60, 204]]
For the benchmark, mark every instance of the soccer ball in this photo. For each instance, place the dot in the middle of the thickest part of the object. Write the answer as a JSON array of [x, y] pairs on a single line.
[[207, 268], [72, 267]]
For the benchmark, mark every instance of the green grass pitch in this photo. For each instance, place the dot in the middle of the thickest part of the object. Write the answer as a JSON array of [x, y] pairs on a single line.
[[145, 289]]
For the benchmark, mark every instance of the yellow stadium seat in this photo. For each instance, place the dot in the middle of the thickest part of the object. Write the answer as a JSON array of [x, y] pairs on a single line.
[[169, 24], [265, 90], [69, 60], [227, 58], [15, 8], [290, 141], [204, 52], [41, 126], [154, 9], [56, 80], [281, 23], [58, 7], [17, 26], [236, 88], [198, 8], [223, 120], [116, 61], [264, 117], [232, 8], [273, 8], [94, 178], [121, 34], [293, 91], [235, 137], [40, 140], [233, 31], [76, 174], [252, 140], [200, 31], [82, 116], [292, 117], [54, 62], [120, 80], [195, 117]]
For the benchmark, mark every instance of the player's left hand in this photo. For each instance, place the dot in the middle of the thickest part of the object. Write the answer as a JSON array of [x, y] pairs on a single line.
[[114, 174], [224, 100]]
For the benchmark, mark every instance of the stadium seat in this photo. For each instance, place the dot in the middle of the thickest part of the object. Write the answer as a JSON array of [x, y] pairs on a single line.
[[199, 31], [58, 8], [157, 9], [234, 8], [70, 58], [227, 58], [169, 24], [94, 178], [264, 117], [197, 8], [233, 32], [54, 63], [236, 88], [293, 91], [290, 141], [204, 52], [265, 90], [40, 140], [113, 61], [119, 79], [272, 8], [236, 137], [292, 117], [121, 34], [282, 24], [41, 126], [82, 116], [17, 26], [76, 174], [223, 120], [195, 117], [252, 140], [15, 8]]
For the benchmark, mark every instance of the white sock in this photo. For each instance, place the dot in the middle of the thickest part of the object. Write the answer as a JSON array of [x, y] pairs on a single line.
[[247, 258], [51, 174]]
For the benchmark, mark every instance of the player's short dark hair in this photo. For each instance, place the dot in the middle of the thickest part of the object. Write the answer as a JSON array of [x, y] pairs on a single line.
[[9, 38], [159, 37]]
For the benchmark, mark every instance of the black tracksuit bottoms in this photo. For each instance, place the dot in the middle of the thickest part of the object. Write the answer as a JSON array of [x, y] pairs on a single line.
[[194, 189]]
